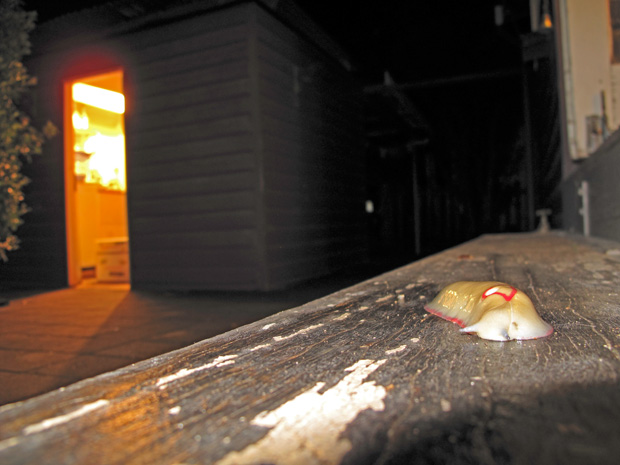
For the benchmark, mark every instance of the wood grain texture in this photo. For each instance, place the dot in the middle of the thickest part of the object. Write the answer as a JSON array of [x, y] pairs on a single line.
[[366, 376]]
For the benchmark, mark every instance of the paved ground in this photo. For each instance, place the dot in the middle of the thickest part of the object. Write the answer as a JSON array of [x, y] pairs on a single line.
[[53, 339]]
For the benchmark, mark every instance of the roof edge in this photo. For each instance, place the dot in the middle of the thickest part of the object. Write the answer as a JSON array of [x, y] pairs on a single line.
[[120, 17]]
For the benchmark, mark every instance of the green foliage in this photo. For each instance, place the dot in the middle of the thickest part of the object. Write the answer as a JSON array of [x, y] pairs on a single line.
[[19, 140]]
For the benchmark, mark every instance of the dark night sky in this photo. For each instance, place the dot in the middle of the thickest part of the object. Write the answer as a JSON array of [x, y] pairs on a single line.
[[419, 40], [414, 40]]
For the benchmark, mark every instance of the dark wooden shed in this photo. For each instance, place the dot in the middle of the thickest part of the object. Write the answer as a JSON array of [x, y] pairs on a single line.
[[243, 146]]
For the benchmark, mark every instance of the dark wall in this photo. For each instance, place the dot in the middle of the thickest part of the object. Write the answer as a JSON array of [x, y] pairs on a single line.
[[602, 173], [313, 164], [41, 259], [192, 167]]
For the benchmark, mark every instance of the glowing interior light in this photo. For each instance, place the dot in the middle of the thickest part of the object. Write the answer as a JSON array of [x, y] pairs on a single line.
[[80, 121], [98, 97], [106, 165]]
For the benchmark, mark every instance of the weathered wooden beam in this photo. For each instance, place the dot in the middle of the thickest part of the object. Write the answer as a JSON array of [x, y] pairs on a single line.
[[365, 375]]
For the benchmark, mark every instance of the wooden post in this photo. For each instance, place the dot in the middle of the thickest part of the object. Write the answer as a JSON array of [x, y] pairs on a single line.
[[528, 161]]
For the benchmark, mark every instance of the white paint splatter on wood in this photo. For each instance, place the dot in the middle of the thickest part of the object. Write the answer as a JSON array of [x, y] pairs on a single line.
[[269, 325], [8, 443], [307, 430], [355, 294], [297, 333], [259, 347], [183, 372], [59, 420], [396, 350]]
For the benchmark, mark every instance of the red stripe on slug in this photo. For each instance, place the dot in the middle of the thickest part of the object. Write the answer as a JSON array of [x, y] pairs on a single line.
[[507, 298], [458, 321]]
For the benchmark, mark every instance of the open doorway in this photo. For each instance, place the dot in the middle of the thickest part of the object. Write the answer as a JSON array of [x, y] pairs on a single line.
[[96, 200]]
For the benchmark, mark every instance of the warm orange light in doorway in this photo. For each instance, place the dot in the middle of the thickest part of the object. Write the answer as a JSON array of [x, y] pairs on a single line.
[[96, 202], [98, 97], [99, 141]]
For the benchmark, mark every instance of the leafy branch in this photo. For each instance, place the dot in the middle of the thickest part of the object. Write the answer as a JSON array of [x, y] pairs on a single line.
[[19, 140]]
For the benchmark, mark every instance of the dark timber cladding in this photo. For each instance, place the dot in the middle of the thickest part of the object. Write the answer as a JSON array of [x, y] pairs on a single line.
[[313, 174], [41, 259], [192, 155], [243, 161], [243, 140]]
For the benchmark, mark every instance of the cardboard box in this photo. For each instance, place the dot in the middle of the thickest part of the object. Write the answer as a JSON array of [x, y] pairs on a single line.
[[113, 260]]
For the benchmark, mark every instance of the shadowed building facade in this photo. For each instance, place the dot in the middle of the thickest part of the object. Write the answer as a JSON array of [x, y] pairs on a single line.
[[242, 132]]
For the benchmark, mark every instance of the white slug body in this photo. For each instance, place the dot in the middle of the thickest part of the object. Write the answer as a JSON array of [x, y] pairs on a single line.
[[493, 310]]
